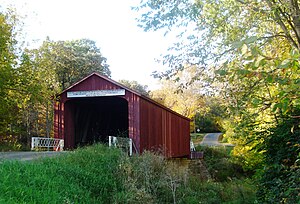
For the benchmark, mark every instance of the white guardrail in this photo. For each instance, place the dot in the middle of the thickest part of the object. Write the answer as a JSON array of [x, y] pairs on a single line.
[[121, 142], [192, 146], [43, 142]]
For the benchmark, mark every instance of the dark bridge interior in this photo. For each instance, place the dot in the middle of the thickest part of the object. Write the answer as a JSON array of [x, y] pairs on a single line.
[[98, 117]]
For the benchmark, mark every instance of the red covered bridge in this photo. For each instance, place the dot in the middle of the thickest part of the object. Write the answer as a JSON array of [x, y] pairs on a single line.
[[96, 107]]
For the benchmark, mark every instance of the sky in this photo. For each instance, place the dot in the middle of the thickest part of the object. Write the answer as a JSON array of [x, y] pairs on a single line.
[[130, 51]]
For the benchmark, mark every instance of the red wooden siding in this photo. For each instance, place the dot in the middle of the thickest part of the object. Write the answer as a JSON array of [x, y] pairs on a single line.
[[63, 124], [164, 130], [150, 125]]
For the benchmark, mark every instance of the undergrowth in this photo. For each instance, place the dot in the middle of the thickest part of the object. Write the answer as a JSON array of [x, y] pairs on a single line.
[[98, 174], [221, 164]]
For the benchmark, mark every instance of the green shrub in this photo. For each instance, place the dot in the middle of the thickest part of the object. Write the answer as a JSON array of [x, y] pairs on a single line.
[[279, 181], [236, 191], [153, 179], [221, 164], [9, 143]]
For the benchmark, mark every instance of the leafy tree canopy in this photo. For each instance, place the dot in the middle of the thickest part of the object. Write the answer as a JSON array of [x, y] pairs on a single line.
[[247, 44], [70, 60], [135, 86], [30, 78], [8, 60], [177, 95], [188, 98]]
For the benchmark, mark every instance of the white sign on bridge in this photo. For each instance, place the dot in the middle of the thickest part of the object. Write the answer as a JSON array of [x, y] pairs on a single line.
[[95, 93]]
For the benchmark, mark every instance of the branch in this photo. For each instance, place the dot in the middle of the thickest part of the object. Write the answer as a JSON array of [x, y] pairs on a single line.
[[295, 17], [247, 4], [290, 21], [272, 36], [283, 27]]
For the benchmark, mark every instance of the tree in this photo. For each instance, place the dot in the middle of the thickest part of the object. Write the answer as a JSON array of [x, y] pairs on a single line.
[[37, 78], [251, 49], [255, 44], [206, 112], [31, 79], [212, 118], [47, 70], [73, 60], [281, 178], [135, 86], [176, 95], [8, 60], [7, 56], [189, 99]]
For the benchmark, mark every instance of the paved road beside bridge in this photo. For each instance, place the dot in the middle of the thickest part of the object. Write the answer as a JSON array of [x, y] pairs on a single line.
[[26, 156], [212, 139]]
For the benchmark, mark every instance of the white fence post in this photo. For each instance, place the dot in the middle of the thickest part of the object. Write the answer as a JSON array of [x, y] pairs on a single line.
[[115, 141], [130, 147], [121, 142], [32, 143], [62, 144], [192, 146]]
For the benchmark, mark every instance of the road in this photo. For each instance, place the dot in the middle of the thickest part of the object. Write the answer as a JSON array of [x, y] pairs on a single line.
[[211, 139], [26, 156]]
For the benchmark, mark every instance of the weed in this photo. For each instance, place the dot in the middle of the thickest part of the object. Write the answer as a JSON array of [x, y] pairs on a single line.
[[98, 174], [221, 164]]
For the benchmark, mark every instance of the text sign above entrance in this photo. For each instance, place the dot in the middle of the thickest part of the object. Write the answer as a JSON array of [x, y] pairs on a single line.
[[95, 93]]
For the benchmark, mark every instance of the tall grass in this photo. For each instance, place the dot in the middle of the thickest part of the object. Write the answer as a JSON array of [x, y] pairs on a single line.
[[98, 174], [157, 180], [221, 164], [84, 176], [197, 137]]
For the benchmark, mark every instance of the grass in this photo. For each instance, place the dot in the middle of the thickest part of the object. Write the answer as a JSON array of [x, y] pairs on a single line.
[[156, 180], [97, 174], [221, 164], [84, 176], [197, 137]]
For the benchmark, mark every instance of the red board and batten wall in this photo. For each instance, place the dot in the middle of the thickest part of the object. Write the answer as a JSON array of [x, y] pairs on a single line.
[[151, 125]]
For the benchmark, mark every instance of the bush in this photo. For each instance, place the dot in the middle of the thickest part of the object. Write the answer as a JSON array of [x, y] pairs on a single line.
[[153, 179], [9, 143], [221, 164], [279, 180]]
